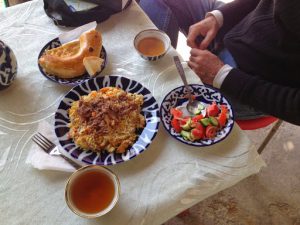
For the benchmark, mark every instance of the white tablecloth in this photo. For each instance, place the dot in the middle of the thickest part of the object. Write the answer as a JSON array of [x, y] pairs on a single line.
[[166, 179]]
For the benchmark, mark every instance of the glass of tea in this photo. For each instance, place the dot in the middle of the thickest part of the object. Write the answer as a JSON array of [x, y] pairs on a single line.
[[92, 191], [152, 44]]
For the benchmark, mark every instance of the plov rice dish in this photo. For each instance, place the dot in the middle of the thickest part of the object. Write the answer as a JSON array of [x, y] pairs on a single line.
[[106, 120]]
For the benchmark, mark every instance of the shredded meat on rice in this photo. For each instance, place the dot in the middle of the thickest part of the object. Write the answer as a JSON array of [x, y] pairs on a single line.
[[107, 119]]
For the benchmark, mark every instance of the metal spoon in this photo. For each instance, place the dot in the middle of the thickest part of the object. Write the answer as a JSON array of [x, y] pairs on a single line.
[[192, 105]]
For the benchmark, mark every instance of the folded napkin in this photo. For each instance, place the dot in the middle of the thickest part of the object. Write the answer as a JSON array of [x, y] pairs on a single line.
[[43, 161]]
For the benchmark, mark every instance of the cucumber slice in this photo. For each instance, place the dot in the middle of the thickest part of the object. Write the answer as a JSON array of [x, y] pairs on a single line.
[[199, 109], [187, 125], [213, 121], [186, 135], [205, 121]]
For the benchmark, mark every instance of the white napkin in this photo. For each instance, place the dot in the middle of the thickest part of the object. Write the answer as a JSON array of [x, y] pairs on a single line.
[[75, 33], [43, 161]]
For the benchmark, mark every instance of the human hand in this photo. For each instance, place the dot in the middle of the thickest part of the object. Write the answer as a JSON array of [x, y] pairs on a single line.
[[205, 64], [207, 28]]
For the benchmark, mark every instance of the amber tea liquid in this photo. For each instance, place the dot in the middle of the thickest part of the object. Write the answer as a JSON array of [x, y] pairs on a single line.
[[151, 46], [92, 191]]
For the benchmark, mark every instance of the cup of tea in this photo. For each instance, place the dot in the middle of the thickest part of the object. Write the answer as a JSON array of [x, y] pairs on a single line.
[[152, 44], [92, 191]]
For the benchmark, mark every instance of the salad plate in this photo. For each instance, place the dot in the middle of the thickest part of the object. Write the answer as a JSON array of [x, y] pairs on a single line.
[[177, 99], [150, 110]]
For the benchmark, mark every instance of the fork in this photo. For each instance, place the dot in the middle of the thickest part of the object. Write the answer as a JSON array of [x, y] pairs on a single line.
[[50, 148]]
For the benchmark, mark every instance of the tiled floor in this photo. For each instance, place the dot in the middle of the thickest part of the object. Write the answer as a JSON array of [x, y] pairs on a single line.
[[270, 197]]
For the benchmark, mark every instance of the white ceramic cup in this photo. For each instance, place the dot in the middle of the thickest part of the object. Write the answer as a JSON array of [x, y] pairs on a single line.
[[80, 172], [154, 33]]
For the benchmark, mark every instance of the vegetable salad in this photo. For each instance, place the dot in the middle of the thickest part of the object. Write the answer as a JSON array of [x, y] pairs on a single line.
[[201, 125]]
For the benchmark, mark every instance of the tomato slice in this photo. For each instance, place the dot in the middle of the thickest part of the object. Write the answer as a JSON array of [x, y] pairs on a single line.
[[213, 109], [199, 126], [176, 125], [197, 118], [176, 112], [211, 131], [197, 134], [224, 109], [222, 118], [183, 121]]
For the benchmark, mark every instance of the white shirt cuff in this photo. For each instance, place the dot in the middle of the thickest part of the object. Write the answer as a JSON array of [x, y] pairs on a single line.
[[218, 15], [221, 75]]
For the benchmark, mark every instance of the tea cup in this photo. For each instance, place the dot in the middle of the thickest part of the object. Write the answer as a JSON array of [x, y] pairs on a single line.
[[92, 191], [152, 44]]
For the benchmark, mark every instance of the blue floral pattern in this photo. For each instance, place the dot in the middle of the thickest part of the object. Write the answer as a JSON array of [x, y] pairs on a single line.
[[150, 110], [8, 66], [206, 95], [72, 81]]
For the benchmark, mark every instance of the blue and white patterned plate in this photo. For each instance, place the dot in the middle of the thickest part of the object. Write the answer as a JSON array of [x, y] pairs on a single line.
[[150, 110], [206, 95], [8, 66], [72, 81]]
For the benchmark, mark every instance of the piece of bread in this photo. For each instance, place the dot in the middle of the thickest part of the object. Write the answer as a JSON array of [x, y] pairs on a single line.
[[66, 61], [92, 64]]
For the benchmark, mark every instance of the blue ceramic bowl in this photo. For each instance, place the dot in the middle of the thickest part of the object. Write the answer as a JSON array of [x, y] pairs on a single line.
[[8, 66], [152, 33], [204, 94]]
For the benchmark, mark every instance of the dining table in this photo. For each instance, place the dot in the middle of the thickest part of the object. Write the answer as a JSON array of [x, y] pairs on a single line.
[[166, 179]]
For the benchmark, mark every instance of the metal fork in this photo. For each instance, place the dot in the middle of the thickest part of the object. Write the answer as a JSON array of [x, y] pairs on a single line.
[[50, 148]]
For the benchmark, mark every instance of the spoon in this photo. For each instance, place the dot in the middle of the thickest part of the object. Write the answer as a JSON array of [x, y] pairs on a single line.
[[193, 106]]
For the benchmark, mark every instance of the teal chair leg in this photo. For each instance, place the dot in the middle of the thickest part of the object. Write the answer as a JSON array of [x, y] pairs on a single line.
[[6, 3]]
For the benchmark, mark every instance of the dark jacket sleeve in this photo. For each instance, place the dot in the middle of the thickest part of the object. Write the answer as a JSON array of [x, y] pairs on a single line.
[[286, 14], [234, 12], [280, 101]]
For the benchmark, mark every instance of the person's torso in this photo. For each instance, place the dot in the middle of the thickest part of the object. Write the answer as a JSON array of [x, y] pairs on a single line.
[[261, 46]]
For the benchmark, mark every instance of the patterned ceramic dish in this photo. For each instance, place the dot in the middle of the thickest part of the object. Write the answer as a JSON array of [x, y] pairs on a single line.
[[74, 81], [8, 66], [203, 94], [150, 110], [154, 34]]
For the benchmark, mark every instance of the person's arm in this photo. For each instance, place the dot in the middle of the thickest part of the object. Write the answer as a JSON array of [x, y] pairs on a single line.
[[218, 22], [277, 100], [234, 12], [271, 98]]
